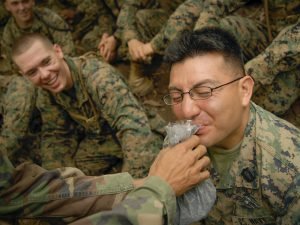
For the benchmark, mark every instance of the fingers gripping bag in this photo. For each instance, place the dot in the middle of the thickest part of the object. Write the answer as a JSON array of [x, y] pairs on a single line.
[[194, 204]]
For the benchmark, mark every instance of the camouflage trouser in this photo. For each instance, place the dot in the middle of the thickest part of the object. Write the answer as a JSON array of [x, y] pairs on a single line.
[[21, 121], [96, 156], [148, 22], [293, 114], [280, 97], [251, 35]]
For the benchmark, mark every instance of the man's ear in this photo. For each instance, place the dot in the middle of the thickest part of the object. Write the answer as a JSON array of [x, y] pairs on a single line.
[[246, 88], [58, 50]]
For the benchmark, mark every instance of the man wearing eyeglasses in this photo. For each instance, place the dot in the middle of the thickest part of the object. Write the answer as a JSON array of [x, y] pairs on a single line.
[[255, 155]]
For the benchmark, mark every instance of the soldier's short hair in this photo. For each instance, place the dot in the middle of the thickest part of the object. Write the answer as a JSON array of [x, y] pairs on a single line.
[[25, 41], [205, 41]]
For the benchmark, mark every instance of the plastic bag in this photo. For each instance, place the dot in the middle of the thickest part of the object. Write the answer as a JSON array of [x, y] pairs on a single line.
[[195, 204]]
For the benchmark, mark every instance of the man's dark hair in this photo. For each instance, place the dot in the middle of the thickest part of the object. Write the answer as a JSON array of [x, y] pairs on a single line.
[[204, 41]]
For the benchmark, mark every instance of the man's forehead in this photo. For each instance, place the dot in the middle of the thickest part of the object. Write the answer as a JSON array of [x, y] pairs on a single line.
[[17, 1], [32, 56]]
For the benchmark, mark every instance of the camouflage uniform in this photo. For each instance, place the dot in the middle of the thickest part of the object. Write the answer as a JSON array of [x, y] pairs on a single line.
[[131, 19], [31, 191], [115, 125], [263, 184], [108, 10], [51, 25], [46, 22], [84, 20], [4, 16], [277, 74], [183, 18], [20, 129]]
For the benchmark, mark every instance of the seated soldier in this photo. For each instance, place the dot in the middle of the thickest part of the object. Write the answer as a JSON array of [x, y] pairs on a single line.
[[87, 93]]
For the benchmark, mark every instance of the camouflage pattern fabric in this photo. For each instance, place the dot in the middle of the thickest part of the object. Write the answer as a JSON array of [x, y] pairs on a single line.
[[4, 16], [4, 82], [132, 19], [149, 204], [108, 112], [46, 22], [277, 72], [183, 18], [83, 21], [106, 23], [30, 191], [263, 184], [19, 135]]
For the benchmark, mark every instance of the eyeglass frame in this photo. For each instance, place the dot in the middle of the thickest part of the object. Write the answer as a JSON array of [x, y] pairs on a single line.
[[211, 91]]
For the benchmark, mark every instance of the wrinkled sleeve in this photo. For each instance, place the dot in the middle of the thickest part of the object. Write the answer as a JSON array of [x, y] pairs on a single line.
[[7, 42], [19, 103], [282, 55], [106, 22], [125, 115], [152, 203], [126, 21], [61, 36], [59, 141], [214, 10], [184, 18], [94, 14], [30, 191], [291, 214]]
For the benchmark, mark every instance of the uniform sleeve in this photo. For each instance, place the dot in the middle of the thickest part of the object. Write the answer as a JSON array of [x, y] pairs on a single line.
[[7, 42], [59, 141], [184, 18], [106, 22], [292, 204], [61, 33], [30, 191], [126, 21], [91, 11], [282, 55], [7, 39], [214, 10], [19, 104], [125, 115], [152, 203]]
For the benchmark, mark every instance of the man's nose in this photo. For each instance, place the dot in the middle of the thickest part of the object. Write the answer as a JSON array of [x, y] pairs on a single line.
[[21, 5], [44, 73], [189, 107]]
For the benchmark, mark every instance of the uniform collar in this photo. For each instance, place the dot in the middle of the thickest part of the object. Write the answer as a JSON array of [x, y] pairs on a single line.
[[244, 169]]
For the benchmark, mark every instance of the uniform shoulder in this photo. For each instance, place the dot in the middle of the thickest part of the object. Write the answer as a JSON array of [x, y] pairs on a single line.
[[278, 139]]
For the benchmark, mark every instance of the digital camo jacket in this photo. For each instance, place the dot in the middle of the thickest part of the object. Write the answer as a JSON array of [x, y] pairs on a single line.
[[30, 191], [263, 183], [102, 104]]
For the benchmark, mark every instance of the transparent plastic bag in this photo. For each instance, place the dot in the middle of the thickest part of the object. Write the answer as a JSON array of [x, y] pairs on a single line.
[[195, 204]]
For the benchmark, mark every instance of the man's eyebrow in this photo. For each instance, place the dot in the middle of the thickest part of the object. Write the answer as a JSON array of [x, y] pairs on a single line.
[[39, 64], [206, 82], [29, 71]]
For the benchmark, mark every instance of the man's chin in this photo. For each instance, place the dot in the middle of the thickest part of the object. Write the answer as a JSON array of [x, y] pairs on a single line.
[[54, 90]]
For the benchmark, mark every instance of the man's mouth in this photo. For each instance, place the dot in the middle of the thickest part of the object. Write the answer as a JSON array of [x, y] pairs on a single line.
[[52, 81]]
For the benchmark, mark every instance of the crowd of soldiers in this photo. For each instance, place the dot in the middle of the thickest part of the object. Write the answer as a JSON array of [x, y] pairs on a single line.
[[101, 133]]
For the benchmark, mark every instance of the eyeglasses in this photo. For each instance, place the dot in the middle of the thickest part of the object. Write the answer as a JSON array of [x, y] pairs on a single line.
[[196, 93]]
